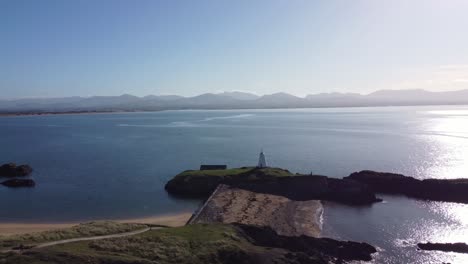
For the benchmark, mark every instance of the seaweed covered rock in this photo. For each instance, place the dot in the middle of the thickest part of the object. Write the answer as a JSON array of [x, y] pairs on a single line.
[[15, 183], [447, 247], [12, 170]]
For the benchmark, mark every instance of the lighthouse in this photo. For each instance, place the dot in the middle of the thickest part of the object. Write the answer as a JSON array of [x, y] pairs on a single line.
[[261, 160]]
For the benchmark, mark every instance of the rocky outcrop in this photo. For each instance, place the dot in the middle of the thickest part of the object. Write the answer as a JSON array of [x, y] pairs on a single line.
[[298, 188], [307, 187], [447, 247], [455, 190], [15, 183], [12, 170], [327, 248]]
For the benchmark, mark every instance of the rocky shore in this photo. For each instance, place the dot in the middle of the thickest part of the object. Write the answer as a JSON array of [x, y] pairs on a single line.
[[447, 190], [333, 251]]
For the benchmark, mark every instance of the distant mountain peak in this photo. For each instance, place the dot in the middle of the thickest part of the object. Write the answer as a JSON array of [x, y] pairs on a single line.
[[240, 95]]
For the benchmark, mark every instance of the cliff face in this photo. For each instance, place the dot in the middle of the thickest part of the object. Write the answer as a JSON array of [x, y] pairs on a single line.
[[455, 190]]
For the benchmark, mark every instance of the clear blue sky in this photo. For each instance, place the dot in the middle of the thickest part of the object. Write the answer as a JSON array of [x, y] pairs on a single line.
[[52, 48]]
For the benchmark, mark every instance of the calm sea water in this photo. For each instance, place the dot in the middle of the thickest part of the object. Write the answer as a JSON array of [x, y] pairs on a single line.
[[105, 166]]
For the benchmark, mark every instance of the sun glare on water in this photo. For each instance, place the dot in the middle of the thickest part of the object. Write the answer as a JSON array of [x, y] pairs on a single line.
[[447, 133]]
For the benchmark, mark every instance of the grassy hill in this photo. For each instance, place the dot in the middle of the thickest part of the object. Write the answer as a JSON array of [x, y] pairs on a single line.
[[197, 244], [82, 230], [203, 182]]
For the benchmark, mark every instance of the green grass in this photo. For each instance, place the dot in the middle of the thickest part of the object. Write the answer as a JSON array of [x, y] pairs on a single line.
[[98, 228], [221, 173], [193, 244], [197, 244], [276, 172]]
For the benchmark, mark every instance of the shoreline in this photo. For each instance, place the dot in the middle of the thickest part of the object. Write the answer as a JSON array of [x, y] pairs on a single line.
[[12, 228], [91, 112]]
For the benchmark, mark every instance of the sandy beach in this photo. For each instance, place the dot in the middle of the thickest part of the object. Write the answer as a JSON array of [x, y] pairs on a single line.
[[22, 228]]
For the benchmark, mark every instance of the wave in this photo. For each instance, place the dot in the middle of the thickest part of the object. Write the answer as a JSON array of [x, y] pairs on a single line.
[[208, 119], [225, 117]]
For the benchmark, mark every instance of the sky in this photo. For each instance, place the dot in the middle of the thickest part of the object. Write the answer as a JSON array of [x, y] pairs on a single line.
[[56, 48]]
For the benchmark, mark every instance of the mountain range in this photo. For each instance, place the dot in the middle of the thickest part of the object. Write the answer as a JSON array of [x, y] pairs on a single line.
[[231, 100]]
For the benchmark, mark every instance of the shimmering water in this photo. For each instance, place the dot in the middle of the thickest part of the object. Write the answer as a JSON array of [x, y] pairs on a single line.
[[115, 165]]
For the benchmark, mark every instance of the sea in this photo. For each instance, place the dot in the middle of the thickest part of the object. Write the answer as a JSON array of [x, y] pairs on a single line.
[[114, 166]]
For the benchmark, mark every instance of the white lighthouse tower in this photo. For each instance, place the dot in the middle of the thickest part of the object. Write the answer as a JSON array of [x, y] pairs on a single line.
[[261, 161]]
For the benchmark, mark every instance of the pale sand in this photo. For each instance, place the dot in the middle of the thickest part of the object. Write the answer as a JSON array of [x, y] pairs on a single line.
[[285, 216], [23, 228]]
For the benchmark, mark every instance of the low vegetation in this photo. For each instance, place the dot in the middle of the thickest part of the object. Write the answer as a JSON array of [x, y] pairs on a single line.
[[82, 230], [203, 182], [277, 172], [194, 244]]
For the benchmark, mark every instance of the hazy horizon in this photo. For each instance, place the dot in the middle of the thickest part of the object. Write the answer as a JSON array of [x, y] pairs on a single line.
[[96, 48], [238, 91]]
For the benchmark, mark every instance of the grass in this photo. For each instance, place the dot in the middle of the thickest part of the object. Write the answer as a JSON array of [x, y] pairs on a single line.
[[277, 172], [197, 244], [98, 228], [221, 173]]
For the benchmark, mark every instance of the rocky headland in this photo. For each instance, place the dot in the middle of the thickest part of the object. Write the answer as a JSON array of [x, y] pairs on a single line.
[[448, 190]]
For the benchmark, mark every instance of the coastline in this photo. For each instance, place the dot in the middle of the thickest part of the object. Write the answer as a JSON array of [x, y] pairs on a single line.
[[91, 112], [172, 220]]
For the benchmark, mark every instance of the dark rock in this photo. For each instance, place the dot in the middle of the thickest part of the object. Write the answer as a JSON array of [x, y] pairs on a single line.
[[455, 190], [19, 183], [306, 187], [325, 247], [12, 170], [447, 247]]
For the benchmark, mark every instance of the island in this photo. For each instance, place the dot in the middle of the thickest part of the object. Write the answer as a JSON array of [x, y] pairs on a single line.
[[275, 181], [250, 215]]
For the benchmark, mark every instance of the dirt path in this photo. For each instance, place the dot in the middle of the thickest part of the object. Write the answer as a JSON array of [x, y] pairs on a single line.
[[65, 241]]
